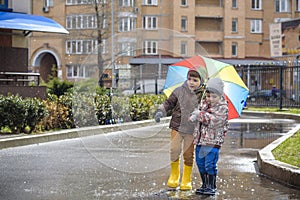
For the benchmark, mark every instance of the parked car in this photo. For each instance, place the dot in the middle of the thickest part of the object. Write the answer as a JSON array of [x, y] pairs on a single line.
[[264, 95], [260, 94]]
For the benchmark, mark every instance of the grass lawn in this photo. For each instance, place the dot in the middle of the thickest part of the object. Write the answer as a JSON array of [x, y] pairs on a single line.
[[289, 150]]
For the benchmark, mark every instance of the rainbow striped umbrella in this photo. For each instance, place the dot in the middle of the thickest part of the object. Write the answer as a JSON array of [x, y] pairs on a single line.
[[235, 90]]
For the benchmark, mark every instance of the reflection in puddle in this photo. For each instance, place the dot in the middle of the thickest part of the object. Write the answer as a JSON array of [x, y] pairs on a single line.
[[248, 134]]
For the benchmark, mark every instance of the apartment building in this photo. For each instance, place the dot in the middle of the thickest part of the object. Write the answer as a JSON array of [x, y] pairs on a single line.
[[140, 38], [16, 26]]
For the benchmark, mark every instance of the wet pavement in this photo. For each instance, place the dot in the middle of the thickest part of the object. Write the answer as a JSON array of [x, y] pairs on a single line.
[[134, 164]]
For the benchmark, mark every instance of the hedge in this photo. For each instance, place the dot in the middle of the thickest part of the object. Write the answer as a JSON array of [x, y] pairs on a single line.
[[71, 109]]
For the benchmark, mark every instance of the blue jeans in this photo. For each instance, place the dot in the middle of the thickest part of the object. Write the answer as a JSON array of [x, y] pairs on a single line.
[[206, 159]]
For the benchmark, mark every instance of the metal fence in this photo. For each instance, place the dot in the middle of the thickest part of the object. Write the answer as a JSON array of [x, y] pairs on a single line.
[[272, 86]]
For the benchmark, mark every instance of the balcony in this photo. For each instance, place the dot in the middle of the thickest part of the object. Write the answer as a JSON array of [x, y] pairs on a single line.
[[209, 11], [209, 36], [213, 49]]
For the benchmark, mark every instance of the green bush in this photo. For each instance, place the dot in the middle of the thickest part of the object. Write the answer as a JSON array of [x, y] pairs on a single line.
[[103, 109], [12, 113], [142, 107], [35, 112], [20, 115], [59, 113], [83, 109], [125, 109], [58, 87], [120, 109]]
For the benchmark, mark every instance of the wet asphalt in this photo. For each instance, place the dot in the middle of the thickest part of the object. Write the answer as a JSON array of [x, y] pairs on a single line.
[[134, 164]]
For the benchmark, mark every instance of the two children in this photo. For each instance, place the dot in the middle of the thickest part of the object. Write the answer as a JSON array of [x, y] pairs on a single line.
[[209, 134], [182, 102], [211, 115]]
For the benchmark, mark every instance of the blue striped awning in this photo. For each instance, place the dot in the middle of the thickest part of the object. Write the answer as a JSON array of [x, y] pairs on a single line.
[[27, 22]]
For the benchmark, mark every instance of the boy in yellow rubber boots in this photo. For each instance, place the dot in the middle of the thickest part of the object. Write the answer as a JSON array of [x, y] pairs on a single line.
[[182, 102]]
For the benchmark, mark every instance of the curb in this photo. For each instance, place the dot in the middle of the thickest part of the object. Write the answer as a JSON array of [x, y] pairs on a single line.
[[272, 168], [73, 133], [279, 171]]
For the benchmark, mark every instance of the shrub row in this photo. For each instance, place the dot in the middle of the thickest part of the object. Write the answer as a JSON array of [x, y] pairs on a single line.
[[72, 109], [20, 115]]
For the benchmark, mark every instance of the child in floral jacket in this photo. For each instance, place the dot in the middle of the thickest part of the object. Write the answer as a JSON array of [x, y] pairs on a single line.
[[209, 133]]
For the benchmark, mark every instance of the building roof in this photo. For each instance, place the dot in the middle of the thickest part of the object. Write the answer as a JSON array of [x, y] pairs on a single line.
[[153, 60], [290, 24], [254, 61], [27, 22], [171, 60]]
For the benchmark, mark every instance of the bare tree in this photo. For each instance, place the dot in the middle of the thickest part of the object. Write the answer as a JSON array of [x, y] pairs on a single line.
[[102, 31]]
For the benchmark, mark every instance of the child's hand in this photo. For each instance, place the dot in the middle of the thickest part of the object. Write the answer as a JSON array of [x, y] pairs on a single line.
[[158, 115], [193, 118], [194, 115]]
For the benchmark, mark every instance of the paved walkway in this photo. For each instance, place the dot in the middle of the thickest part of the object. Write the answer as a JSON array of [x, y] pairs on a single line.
[[133, 164]]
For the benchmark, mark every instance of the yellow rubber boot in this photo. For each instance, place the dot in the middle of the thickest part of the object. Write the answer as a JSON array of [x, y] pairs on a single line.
[[186, 182], [174, 175]]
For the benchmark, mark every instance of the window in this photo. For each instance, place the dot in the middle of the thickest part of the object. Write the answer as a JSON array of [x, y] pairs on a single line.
[[48, 3], [82, 46], [80, 71], [183, 48], [76, 2], [183, 2], [234, 49], [297, 5], [150, 2], [83, 22], [282, 5], [255, 26], [126, 3], [234, 4], [234, 25], [4, 4], [88, 21], [127, 48], [183, 23], [87, 46], [104, 23], [102, 46], [127, 24], [150, 47], [256, 4], [149, 22]]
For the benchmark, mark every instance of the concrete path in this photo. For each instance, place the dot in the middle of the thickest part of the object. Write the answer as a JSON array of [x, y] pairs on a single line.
[[134, 164]]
